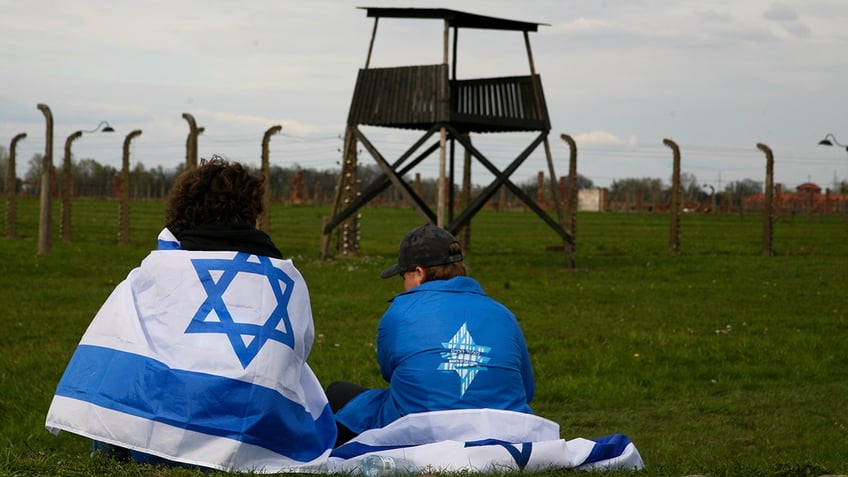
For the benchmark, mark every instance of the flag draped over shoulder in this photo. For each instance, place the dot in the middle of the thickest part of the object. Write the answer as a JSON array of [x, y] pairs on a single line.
[[200, 358], [484, 440]]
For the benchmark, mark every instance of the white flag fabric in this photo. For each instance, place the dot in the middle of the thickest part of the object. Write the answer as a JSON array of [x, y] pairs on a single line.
[[484, 440], [200, 358]]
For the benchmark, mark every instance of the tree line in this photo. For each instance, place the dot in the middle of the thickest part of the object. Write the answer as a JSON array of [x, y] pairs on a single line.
[[297, 184], [654, 193]]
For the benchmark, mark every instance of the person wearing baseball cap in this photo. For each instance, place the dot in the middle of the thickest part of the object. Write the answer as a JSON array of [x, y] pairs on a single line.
[[442, 344], [424, 248]]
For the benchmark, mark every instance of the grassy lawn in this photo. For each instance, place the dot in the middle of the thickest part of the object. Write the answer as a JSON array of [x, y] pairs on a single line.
[[717, 362]]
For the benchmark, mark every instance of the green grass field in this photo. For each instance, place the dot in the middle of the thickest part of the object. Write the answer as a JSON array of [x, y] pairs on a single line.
[[717, 362]]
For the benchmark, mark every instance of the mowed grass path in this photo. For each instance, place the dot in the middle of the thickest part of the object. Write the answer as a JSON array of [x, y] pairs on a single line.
[[718, 362]]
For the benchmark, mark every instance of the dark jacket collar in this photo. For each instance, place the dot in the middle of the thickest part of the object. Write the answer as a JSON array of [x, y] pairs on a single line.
[[229, 237]]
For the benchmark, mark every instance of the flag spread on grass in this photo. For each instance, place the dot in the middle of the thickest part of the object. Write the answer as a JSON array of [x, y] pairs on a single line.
[[200, 358], [484, 440]]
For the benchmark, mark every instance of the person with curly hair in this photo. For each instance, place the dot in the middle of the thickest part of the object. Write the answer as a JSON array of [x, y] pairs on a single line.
[[215, 207], [198, 358]]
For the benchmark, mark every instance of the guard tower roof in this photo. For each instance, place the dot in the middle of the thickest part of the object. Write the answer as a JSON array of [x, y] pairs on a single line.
[[454, 18]]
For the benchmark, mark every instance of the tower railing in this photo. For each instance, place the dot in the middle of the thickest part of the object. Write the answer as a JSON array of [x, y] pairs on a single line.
[[416, 97]]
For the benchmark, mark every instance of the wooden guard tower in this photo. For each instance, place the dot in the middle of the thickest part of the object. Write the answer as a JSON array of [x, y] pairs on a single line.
[[430, 99]]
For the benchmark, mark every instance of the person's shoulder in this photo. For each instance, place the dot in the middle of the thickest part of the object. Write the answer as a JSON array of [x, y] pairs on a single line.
[[464, 284], [455, 283]]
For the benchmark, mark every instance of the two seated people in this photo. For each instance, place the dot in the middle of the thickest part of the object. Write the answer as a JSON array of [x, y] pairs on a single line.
[[199, 358]]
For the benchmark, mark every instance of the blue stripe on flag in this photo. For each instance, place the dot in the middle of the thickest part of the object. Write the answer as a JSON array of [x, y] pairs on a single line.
[[354, 449], [607, 447], [521, 457], [204, 403], [167, 245]]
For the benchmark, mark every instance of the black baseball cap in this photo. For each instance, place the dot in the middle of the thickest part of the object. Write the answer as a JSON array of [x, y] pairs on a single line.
[[424, 246]]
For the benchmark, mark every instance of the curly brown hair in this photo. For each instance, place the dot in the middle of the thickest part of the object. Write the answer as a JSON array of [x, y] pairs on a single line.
[[215, 192]]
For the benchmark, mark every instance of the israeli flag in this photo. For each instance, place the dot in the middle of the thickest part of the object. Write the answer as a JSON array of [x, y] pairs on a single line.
[[484, 440], [200, 358]]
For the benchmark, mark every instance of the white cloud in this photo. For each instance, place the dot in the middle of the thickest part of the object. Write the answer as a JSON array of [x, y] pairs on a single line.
[[604, 138], [242, 122], [585, 25]]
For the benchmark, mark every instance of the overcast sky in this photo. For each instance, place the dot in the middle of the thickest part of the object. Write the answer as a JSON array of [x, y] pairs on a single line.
[[716, 77]]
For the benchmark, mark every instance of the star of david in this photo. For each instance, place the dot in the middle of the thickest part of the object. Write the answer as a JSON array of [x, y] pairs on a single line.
[[213, 315], [464, 357]]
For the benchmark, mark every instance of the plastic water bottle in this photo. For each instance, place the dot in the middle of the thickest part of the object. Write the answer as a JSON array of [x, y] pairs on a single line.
[[385, 466]]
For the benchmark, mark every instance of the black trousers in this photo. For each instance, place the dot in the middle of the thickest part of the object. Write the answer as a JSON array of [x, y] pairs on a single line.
[[340, 393]]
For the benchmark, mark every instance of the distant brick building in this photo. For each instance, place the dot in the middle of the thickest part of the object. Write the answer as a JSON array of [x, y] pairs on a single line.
[[807, 198]]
